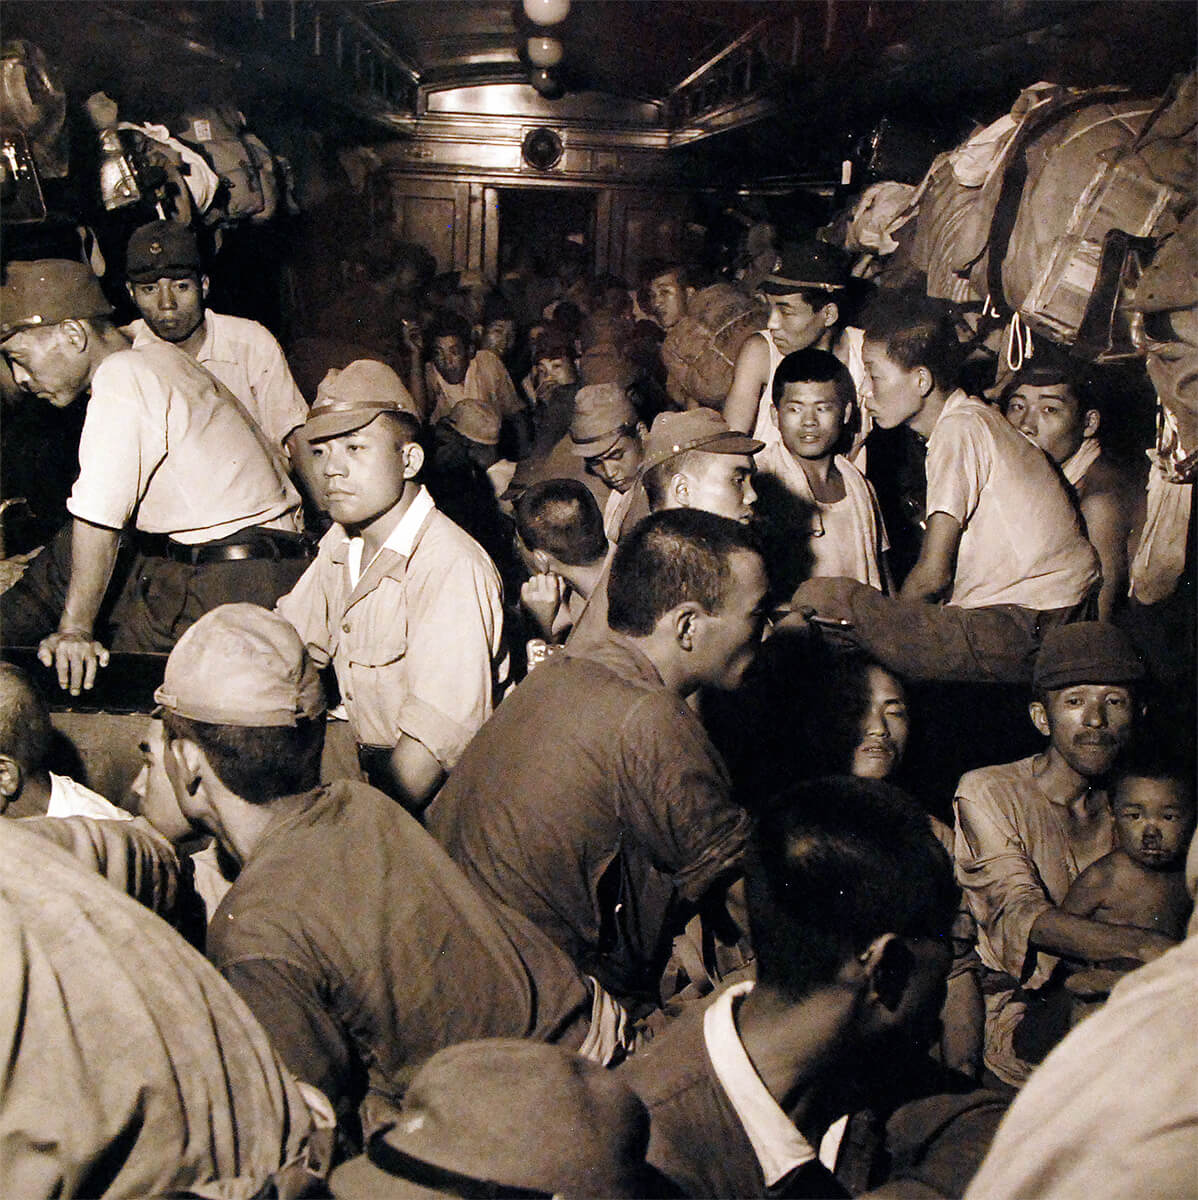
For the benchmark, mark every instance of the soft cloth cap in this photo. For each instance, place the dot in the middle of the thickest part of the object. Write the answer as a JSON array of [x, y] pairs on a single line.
[[241, 665], [1086, 652], [519, 1114], [475, 421], [601, 412]]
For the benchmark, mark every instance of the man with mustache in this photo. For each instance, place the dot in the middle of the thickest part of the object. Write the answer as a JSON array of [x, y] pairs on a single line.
[[1026, 830]]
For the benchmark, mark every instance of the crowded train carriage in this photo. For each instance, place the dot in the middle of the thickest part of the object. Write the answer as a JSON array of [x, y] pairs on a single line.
[[597, 598]]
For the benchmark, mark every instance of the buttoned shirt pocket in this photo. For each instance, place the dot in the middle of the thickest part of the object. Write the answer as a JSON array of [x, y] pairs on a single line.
[[372, 646]]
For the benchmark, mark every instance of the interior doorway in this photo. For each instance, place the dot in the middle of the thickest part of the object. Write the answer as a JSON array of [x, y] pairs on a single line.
[[535, 223]]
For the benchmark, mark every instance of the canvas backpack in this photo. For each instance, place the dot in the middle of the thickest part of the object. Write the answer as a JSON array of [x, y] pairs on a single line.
[[241, 160]]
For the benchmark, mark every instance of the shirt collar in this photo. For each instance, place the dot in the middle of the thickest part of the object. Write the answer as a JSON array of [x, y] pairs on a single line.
[[1081, 460], [778, 1144], [402, 539]]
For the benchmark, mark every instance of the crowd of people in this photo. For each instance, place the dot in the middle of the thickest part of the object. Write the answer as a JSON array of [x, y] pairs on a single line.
[[632, 889]]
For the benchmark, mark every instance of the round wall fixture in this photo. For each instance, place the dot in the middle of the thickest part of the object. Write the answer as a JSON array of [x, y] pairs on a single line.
[[542, 148]]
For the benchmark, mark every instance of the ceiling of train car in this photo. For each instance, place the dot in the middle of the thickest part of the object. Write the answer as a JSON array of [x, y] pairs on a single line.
[[825, 70], [625, 48]]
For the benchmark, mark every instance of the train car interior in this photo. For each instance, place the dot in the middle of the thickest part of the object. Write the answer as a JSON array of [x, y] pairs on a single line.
[[355, 356], [558, 138]]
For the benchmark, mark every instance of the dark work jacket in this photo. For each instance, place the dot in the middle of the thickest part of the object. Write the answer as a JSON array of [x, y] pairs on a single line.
[[937, 1139]]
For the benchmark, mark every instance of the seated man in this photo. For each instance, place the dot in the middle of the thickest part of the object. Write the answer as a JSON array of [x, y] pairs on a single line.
[[27, 787], [806, 291], [559, 533], [706, 323], [1003, 556], [691, 460], [131, 1067], [166, 281], [407, 607], [455, 372], [592, 801], [607, 434], [819, 511], [1026, 830], [850, 900], [1093, 1121], [166, 448], [1047, 404], [355, 941], [466, 477]]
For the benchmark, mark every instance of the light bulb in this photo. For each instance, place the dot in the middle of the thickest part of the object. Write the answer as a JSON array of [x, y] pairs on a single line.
[[544, 51], [546, 12], [545, 83]]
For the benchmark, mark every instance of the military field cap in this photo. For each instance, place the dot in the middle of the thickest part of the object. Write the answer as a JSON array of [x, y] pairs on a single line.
[[697, 429], [481, 1117], [47, 292], [811, 264], [602, 412], [240, 664], [475, 420], [1086, 652], [162, 249], [350, 397]]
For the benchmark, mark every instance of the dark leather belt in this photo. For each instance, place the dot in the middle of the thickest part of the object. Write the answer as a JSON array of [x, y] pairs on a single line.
[[261, 546]]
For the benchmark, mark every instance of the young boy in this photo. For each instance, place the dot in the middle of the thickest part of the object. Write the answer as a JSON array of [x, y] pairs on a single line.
[[1003, 556], [1142, 882], [807, 488], [407, 606]]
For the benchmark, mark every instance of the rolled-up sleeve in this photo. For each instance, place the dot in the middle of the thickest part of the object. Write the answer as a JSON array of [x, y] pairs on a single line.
[[1003, 888], [122, 443], [957, 466]]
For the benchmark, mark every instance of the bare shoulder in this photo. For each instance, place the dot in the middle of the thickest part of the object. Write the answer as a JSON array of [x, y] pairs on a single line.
[[1120, 480], [754, 355]]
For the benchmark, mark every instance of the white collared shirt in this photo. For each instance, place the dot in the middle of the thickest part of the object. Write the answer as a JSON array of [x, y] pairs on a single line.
[[778, 1144], [401, 539]]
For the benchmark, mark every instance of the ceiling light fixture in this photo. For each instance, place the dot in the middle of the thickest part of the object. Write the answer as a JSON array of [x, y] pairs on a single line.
[[546, 12], [546, 83], [544, 51]]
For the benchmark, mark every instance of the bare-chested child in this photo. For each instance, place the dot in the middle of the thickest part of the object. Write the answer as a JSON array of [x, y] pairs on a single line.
[[1142, 882]]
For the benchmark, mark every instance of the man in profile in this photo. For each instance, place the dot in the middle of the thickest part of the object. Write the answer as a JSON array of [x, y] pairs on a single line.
[[348, 932], [612, 813]]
